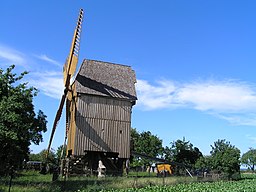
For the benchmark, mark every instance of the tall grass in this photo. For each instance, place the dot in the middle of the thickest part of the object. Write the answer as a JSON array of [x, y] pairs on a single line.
[[29, 181], [34, 182]]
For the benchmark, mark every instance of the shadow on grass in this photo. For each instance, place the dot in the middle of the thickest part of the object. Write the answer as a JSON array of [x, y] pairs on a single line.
[[90, 184]]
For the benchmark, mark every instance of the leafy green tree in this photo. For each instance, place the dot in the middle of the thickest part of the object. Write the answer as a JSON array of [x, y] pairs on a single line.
[[167, 154], [225, 159], [147, 144], [204, 163], [61, 150], [34, 157], [19, 125], [52, 157], [49, 162], [249, 159], [184, 152]]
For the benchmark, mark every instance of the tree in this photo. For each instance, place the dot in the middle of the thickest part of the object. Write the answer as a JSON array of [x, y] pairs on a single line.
[[167, 153], [249, 159], [204, 163], [35, 157], [51, 158], [145, 143], [183, 152], [19, 125], [61, 150], [225, 159]]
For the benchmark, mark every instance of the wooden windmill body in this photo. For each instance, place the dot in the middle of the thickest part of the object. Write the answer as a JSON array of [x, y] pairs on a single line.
[[99, 116], [99, 103]]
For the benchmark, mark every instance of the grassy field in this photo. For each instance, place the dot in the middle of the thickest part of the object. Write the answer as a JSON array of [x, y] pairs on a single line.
[[33, 181]]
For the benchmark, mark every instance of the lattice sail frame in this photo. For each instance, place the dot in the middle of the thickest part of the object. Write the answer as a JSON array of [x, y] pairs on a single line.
[[69, 70]]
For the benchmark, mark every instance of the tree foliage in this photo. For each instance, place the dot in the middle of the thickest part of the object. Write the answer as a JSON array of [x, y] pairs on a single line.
[[51, 158], [249, 159], [61, 149], [19, 125], [204, 164], [145, 143], [182, 151], [225, 159]]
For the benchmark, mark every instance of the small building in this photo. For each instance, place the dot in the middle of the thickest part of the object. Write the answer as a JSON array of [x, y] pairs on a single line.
[[99, 111], [33, 165]]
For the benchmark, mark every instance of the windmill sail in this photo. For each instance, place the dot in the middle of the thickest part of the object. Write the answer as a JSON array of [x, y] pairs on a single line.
[[69, 70], [70, 65]]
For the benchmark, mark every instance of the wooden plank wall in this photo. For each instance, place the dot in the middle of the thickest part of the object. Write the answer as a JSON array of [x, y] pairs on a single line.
[[103, 124]]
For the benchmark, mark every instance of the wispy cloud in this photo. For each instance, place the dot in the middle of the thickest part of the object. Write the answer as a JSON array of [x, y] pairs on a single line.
[[10, 56], [48, 59], [231, 100], [155, 97], [49, 83], [251, 138], [221, 96]]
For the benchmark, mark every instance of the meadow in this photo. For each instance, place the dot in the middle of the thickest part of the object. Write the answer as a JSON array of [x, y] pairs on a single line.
[[34, 182]]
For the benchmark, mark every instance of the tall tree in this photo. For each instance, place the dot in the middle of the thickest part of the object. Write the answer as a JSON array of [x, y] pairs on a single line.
[[249, 159], [19, 125], [182, 151], [204, 163], [145, 143], [225, 159]]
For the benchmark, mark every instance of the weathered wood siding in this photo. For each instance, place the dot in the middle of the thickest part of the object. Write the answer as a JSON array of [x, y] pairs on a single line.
[[102, 124]]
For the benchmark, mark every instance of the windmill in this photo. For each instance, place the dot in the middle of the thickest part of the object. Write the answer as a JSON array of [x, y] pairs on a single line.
[[68, 71], [98, 112]]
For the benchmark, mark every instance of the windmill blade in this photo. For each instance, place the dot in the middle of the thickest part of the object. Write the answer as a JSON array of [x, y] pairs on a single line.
[[72, 60], [69, 70], [57, 118]]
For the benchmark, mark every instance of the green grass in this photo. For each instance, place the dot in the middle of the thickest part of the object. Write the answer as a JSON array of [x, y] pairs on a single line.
[[29, 181], [33, 181]]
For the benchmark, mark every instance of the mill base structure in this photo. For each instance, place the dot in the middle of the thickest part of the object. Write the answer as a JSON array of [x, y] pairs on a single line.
[[93, 164]]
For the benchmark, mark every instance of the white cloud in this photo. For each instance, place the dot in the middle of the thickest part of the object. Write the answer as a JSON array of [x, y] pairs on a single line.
[[10, 56], [153, 97], [48, 59], [244, 118], [49, 83], [233, 101], [252, 138], [220, 96]]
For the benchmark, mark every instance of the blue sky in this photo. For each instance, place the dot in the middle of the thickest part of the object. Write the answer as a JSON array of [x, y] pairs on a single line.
[[194, 61]]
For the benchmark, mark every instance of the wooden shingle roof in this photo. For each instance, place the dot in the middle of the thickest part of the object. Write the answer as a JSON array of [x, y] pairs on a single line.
[[106, 79]]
